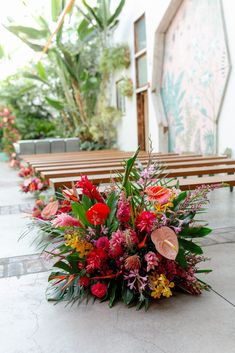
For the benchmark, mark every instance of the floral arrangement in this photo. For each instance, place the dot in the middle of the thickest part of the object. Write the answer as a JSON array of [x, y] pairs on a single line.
[[25, 172], [33, 182], [134, 242], [10, 134], [46, 210]]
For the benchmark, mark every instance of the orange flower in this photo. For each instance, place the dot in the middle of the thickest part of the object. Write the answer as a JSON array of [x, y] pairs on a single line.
[[158, 194], [132, 262], [71, 193]]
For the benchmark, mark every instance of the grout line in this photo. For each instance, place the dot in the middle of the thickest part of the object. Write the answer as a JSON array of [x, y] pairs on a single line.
[[221, 296]]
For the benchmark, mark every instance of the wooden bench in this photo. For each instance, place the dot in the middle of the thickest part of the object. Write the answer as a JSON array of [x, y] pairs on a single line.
[[87, 159], [184, 184], [83, 155], [116, 165], [191, 170]]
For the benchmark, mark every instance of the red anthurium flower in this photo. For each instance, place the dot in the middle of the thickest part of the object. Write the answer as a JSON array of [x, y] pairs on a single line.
[[98, 213]]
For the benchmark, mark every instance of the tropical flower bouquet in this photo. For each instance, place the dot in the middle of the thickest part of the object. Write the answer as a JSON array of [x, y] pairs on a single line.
[[46, 209], [134, 242], [32, 183]]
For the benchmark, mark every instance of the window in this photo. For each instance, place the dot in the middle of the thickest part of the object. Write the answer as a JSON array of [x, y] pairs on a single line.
[[141, 67], [140, 34], [120, 98], [140, 52], [141, 82]]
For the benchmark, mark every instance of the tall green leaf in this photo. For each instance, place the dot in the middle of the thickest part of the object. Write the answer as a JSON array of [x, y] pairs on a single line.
[[117, 12], [41, 71], [195, 232], [55, 103], [56, 9], [190, 246], [129, 165], [28, 32]]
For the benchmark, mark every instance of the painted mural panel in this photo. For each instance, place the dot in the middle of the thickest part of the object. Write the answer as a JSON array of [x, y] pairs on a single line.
[[194, 76]]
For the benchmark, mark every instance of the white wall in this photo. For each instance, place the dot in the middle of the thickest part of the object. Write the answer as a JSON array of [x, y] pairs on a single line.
[[226, 126], [154, 11]]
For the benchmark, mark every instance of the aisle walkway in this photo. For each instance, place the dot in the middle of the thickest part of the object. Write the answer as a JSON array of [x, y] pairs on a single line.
[[184, 324]]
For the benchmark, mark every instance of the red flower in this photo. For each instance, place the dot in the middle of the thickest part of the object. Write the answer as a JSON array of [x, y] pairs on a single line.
[[95, 259], [97, 213], [84, 281], [145, 221], [158, 194], [89, 189], [99, 290]]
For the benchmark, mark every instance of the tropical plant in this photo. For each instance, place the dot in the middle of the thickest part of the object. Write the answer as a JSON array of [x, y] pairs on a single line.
[[70, 74]]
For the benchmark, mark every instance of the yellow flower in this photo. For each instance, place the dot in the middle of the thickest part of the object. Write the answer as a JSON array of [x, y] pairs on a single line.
[[80, 245], [163, 207], [160, 286]]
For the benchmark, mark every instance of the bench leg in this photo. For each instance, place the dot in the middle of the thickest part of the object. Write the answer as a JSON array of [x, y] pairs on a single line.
[[230, 186]]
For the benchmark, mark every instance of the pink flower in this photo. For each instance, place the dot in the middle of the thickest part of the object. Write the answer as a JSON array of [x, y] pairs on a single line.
[[152, 260], [123, 212], [117, 238], [145, 221], [99, 290], [130, 238], [103, 242], [65, 220], [116, 243]]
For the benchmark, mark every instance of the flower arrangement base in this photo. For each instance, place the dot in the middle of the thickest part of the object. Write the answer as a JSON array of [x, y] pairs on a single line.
[[136, 242]]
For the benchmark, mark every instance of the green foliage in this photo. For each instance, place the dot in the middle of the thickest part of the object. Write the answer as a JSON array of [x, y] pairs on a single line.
[[70, 81], [56, 8], [115, 58], [126, 87]]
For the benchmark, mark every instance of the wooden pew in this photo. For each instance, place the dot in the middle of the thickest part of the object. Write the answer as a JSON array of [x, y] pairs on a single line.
[[92, 158], [185, 184], [82, 155], [114, 165]]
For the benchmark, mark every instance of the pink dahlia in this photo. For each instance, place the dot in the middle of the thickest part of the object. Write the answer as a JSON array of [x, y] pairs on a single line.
[[65, 220], [103, 242], [152, 260], [145, 221]]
